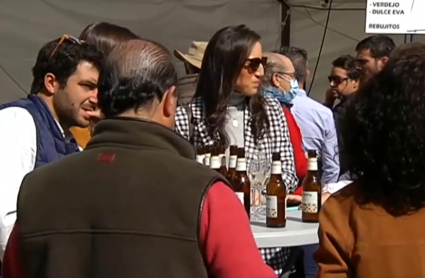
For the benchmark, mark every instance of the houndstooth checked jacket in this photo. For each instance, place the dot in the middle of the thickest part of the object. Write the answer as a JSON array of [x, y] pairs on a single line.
[[276, 139]]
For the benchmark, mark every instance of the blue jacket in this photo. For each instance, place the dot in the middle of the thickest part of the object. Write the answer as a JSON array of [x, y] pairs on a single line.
[[51, 144]]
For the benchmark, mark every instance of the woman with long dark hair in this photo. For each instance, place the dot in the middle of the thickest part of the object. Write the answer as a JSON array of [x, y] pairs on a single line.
[[105, 36], [371, 228], [229, 110]]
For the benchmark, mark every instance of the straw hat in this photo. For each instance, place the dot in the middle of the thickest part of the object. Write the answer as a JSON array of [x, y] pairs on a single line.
[[194, 55]]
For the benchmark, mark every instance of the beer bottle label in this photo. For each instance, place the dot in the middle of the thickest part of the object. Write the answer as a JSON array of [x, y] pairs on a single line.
[[310, 202], [240, 197], [215, 162], [200, 158], [232, 161], [271, 206], [207, 159]]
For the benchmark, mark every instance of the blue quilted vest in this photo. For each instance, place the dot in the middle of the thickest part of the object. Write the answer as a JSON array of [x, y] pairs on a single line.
[[51, 144]]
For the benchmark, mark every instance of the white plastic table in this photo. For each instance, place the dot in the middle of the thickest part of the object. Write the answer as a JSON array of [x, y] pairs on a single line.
[[296, 233]]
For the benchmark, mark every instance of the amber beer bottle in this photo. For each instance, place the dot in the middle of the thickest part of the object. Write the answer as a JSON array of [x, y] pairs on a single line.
[[223, 168], [233, 157], [223, 160], [241, 183], [221, 150], [312, 191], [215, 161], [276, 196], [207, 155]]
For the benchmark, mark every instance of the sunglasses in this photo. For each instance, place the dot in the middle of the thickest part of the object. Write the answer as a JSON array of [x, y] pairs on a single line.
[[64, 38], [282, 74], [337, 79], [254, 63]]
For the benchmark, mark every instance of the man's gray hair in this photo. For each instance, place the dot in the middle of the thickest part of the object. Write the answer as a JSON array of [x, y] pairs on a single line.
[[273, 66], [299, 59], [135, 73]]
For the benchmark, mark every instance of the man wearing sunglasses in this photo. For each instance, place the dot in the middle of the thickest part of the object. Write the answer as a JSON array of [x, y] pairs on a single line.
[[34, 131], [343, 83]]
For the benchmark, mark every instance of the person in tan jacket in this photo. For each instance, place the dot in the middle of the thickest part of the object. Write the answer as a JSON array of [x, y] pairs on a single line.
[[373, 227], [192, 63]]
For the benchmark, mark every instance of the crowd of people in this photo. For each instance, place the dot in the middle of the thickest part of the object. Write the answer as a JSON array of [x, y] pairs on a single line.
[[100, 177]]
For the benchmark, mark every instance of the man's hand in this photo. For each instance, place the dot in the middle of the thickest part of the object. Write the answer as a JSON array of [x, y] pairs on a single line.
[[331, 96], [95, 115], [325, 196], [293, 199]]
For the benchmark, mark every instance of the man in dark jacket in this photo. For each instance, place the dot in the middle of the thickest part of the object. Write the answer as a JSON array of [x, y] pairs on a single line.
[[134, 203], [34, 131]]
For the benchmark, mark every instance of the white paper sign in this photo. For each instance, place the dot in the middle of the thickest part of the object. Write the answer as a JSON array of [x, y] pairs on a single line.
[[395, 17]]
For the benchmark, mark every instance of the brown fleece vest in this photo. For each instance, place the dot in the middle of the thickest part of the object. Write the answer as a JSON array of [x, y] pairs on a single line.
[[127, 206]]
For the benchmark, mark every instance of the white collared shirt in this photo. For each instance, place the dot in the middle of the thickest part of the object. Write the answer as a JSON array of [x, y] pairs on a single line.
[[18, 152], [335, 187]]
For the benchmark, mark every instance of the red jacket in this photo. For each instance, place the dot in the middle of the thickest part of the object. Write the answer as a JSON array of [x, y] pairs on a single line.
[[297, 145]]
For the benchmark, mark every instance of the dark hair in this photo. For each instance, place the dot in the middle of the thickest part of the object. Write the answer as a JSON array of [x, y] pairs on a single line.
[[106, 35], [222, 63], [384, 136], [379, 45], [407, 49], [348, 63], [299, 58], [134, 74], [64, 62], [274, 65]]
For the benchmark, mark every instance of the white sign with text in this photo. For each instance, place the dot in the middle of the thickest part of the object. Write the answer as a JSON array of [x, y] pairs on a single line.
[[395, 17]]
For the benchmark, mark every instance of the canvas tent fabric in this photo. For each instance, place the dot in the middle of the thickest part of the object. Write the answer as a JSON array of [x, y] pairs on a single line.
[[345, 29], [25, 25]]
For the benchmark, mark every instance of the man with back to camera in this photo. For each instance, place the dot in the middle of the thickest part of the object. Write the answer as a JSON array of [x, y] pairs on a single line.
[[35, 131], [134, 203]]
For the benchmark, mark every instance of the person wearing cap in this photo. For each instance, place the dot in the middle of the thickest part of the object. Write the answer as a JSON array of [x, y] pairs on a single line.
[[192, 63]]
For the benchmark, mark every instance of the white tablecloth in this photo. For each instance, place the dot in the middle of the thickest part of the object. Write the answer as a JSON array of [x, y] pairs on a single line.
[[296, 233]]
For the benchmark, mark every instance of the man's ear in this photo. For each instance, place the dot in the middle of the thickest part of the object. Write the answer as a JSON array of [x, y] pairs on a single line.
[[51, 84], [275, 80], [382, 62], [170, 102], [307, 76], [356, 84]]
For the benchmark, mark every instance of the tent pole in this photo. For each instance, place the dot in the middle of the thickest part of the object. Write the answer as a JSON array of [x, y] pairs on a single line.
[[285, 26]]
